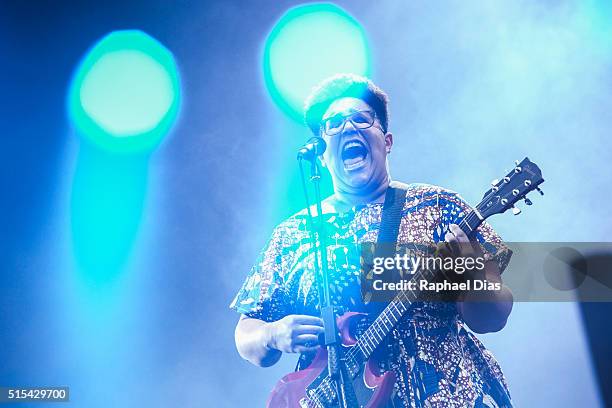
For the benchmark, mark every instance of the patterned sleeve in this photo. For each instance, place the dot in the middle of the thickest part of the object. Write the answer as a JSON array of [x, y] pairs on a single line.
[[453, 209], [264, 294]]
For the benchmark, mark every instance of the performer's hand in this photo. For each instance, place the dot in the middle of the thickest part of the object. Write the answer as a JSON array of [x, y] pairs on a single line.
[[459, 245], [295, 334], [483, 311]]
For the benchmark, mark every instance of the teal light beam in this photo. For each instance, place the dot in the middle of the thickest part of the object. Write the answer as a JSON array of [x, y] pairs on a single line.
[[125, 94], [123, 100], [308, 44]]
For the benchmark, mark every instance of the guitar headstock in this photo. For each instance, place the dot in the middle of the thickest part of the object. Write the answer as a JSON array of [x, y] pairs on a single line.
[[514, 186]]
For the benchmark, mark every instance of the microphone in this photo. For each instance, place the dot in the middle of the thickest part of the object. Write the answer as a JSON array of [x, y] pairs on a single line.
[[314, 147]]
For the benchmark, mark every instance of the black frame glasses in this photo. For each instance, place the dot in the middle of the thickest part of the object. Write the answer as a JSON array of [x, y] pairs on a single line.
[[360, 119]]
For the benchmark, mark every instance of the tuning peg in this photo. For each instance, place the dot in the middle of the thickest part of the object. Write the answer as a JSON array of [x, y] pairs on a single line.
[[540, 191], [494, 182], [528, 201], [516, 210], [516, 162]]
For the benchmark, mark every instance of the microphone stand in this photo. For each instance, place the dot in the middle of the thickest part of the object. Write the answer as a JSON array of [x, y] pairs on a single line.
[[344, 392]]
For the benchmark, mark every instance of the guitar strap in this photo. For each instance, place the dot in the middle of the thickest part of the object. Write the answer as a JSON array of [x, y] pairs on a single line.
[[391, 215], [386, 244]]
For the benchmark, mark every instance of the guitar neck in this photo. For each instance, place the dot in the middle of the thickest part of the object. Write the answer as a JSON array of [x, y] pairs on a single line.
[[398, 307]]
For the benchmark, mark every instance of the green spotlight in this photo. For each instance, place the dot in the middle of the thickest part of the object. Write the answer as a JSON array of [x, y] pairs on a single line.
[[308, 44], [125, 95]]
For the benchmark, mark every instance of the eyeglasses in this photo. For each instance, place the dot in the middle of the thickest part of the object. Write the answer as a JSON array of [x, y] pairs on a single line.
[[360, 120]]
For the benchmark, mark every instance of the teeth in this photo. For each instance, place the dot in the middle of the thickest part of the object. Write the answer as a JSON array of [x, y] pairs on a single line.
[[353, 163], [352, 144]]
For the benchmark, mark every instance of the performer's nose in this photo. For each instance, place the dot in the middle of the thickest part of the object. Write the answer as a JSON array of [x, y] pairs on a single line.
[[349, 128]]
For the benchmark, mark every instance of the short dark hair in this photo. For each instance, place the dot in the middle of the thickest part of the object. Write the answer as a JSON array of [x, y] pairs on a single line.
[[340, 86]]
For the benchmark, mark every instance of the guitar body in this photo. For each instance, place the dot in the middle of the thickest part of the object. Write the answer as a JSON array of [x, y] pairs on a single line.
[[372, 389]]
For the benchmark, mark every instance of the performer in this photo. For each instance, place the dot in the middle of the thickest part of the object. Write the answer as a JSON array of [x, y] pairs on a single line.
[[437, 361]]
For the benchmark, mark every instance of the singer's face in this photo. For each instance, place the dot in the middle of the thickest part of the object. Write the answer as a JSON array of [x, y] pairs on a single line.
[[356, 157]]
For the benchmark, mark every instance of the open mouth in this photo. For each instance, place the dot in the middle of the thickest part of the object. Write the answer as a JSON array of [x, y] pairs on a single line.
[[354, 154]]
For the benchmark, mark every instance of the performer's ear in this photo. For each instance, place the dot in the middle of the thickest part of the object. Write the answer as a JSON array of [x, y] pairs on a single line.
[[388, 141]]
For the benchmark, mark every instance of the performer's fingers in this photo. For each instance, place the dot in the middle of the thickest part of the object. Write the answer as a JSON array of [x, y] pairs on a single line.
[[466, 246], [309, 329], [458, 233], [452, 243], [443, 250], [309, 340], [305, 349], [306, 319]]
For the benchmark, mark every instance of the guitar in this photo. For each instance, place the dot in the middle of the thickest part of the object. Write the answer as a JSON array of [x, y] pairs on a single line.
[[313, 388]]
